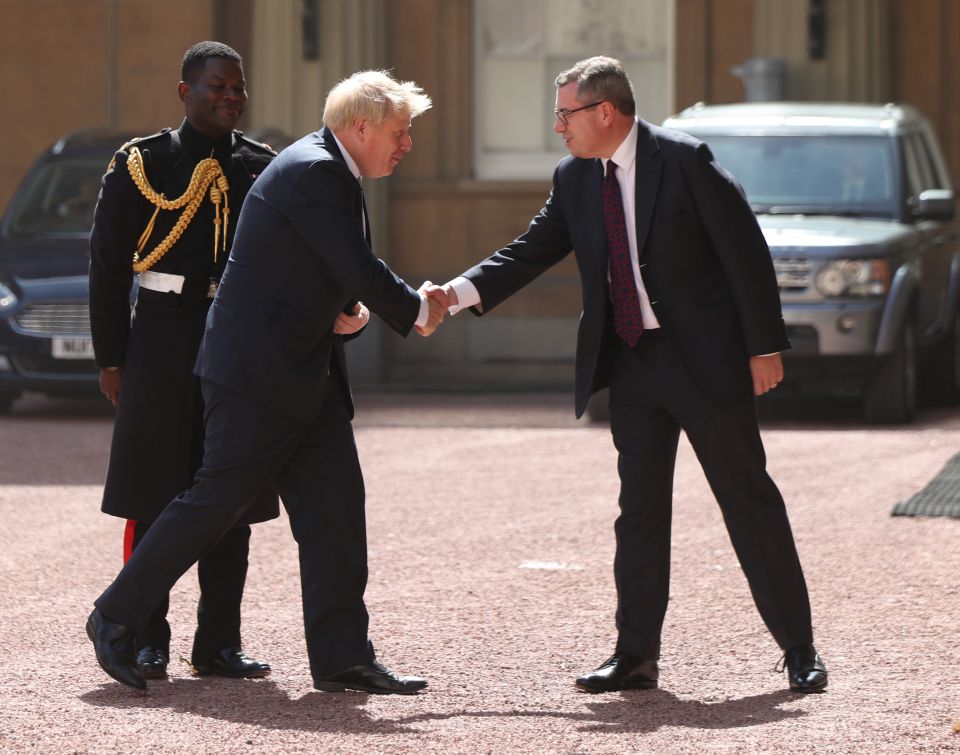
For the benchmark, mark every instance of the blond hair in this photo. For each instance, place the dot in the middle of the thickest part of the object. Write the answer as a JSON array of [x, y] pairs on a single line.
[[374, 95]]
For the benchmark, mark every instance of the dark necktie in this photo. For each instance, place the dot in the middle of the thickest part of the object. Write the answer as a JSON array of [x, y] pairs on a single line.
[[363, 216], [627, 321]]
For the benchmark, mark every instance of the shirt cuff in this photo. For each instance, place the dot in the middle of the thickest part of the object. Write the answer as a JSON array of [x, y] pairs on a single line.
[[424, 311], [467, 294]]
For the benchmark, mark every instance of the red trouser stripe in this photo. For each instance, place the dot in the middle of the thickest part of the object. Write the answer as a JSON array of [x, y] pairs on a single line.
[[128, 533]]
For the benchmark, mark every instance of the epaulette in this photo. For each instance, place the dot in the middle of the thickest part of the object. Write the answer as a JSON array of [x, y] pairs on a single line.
[[259, 146], [138, 140]]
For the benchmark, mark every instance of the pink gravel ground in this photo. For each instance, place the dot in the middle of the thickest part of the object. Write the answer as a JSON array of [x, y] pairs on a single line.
[[490, 527]]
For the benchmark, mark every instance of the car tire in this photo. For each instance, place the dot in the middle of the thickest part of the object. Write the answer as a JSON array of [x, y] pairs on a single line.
[[941, 375], [891, 394]]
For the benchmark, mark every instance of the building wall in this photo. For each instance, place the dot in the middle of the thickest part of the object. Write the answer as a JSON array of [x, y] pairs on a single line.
[[855, 65], [925, 67], [712, 36], [75, 64], [442, 221]]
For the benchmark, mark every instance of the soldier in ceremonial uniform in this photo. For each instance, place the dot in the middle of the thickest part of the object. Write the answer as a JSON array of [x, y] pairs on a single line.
[[166, 212]]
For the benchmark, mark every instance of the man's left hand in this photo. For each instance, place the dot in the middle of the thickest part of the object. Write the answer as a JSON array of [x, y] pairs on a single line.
[[767, 372], [351, 323]]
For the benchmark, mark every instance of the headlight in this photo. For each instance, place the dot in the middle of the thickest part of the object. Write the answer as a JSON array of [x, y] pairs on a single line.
[[854, 278], [8, 299]]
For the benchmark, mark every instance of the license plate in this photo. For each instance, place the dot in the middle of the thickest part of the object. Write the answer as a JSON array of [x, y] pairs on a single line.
[[72, 348]]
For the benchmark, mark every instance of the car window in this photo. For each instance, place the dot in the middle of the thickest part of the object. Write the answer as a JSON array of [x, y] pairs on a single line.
[[58, 198], [918, 170], [811, 173], [923, 147]]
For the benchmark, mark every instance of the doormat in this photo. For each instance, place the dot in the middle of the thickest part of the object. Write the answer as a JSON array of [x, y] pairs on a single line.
[[940, 497]]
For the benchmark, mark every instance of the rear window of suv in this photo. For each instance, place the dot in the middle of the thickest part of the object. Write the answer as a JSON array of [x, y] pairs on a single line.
[[848, 175]]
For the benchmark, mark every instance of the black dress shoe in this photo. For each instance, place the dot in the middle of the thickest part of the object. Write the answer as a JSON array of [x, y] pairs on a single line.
[[621, 671], [805, 670], [153, 662], [113, 644], [234, 663], [371, 677]]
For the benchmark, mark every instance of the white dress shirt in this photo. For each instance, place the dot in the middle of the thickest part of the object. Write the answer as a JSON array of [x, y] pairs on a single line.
[[625, 157]]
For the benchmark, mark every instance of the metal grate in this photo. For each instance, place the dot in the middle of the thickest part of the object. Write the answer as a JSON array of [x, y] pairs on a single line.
[[940, 497], [793, 274], [54, 320]]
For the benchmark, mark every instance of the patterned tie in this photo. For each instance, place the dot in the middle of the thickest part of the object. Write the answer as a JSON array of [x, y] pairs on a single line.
[[627, 321]]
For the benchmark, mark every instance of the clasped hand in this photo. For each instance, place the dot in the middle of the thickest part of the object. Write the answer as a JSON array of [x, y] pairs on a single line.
[[347, 323], [439, 299]]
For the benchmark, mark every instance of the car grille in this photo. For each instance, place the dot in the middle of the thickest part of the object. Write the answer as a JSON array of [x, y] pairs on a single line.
[[54, 319], [793, 273]]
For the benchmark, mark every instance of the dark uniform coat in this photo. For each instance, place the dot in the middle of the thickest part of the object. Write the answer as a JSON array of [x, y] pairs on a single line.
[[158, 435]]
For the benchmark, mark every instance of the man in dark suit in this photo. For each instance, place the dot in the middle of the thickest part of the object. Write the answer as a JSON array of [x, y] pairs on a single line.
[[146, 363], [275, 388], [681, 319]]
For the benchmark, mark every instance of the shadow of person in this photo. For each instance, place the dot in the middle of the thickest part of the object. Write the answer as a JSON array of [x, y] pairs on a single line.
[[646, 711], [262, 703], [259, 703]]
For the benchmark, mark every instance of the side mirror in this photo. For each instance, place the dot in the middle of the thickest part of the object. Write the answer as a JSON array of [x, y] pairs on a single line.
[[933, 204]]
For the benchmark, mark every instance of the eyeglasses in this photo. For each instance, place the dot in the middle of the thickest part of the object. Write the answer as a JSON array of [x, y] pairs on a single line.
[[562, 115]]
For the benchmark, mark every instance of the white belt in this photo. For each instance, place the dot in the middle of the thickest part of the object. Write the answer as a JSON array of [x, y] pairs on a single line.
[[163, 282]]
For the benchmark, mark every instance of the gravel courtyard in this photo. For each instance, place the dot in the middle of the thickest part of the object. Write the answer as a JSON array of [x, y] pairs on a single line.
[[490, 544]]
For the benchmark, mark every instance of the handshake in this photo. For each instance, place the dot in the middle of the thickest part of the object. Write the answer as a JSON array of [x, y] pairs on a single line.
[[440, 299]]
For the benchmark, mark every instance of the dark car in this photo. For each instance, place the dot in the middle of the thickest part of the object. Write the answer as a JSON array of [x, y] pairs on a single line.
[[856, 205], [45, 343]]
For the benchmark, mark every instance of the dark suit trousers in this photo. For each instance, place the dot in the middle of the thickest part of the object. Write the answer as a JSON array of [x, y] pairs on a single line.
[[651, 399], [222, 572], [317, 473]]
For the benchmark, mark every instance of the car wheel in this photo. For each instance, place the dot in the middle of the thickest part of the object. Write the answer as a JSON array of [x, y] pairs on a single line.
[[941, 384], [891, 394]]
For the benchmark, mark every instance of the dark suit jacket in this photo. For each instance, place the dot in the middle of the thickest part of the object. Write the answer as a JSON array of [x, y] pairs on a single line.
[[703, 258], [298, 257]]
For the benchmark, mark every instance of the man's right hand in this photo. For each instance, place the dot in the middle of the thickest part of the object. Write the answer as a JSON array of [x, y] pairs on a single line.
[[452, 298], [438, 305], [110, 381]]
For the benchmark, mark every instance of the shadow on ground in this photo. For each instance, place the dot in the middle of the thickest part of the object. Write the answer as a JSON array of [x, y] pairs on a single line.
[[270, 707]]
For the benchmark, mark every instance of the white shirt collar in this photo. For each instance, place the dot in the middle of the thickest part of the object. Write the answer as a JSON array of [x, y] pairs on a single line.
[[346, 156], [626, 153]]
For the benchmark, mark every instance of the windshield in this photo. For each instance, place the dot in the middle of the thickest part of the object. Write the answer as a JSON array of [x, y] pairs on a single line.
[[59, 198], [842, 175]]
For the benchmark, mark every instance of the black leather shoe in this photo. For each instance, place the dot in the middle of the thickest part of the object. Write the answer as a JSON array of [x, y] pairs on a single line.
[[621, 671], [805, 670], [113, 644], [153, 662], [371, 677], [234, 663]]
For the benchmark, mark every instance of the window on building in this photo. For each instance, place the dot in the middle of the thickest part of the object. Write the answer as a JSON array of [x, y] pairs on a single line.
[[521, 46]]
